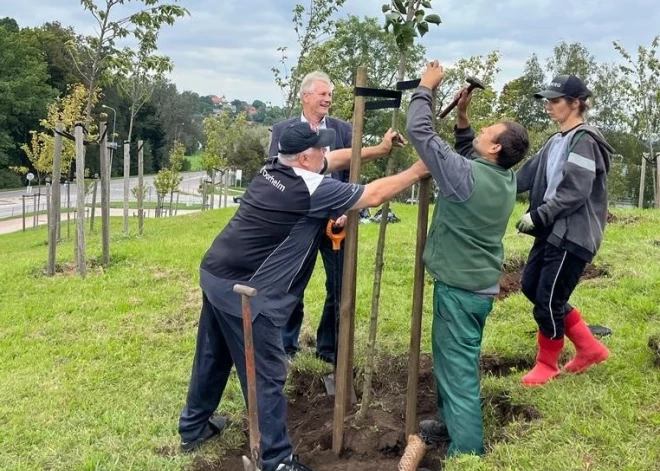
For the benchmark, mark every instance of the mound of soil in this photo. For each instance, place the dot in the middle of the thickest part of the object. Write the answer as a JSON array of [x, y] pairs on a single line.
[[378, 443], [510, 281], [624, 220]]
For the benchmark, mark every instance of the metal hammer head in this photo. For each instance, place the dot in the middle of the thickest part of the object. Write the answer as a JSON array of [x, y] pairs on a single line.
[[475, 83]]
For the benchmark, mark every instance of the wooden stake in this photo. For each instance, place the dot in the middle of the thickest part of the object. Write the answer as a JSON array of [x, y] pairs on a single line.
[[657, 193], [93, 212], [424, 197], [344, 379], [54, 222], [81, 260], [105, 195], [642, 182], [23, 198], [141, 187], [127, 175]]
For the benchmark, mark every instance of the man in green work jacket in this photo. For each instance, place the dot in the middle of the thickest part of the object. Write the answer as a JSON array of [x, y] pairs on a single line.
[[463, 252]]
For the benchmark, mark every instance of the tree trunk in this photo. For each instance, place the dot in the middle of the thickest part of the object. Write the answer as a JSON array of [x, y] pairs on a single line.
[[204, 202], [212, 192], [68, 210], [380, 249], [105, 195], [642, 182], [91, 220], [81, 261], [130, 123], [226, 185]]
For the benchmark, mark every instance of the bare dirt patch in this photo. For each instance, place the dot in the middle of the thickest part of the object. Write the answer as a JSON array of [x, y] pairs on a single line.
[[510, 281], [654, 345], [378, 443], [623, 220]]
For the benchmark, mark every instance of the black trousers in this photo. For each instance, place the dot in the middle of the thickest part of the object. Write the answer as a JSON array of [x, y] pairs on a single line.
[[548, 281], [333, 262], [220, 346]]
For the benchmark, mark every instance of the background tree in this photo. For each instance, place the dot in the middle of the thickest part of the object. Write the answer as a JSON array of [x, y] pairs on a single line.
[[311, 26], [93, 55], [249, 154], [517, 102], [573, 58], [484, 102], [355, 42], [644, 93], [52, 40], [137, 72], [23, 94], [168, 179], [222, 135]]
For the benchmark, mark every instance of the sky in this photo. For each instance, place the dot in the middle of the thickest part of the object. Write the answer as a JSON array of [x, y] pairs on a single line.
[[228, 48]]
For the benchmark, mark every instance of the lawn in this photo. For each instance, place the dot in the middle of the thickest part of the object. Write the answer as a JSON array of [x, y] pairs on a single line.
[[195, 161], [94, 372]]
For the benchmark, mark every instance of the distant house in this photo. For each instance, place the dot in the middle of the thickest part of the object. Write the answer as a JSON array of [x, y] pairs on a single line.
[[217, 101]]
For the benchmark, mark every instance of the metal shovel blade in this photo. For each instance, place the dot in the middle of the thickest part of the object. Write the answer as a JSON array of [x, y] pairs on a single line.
[[330, 387], [329, 382]]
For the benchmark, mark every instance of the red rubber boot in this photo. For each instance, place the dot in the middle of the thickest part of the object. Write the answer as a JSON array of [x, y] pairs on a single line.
[[546, 367], [589, 351]]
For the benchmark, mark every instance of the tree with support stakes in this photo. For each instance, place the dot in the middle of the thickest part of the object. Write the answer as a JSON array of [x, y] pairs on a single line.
[[168, 179], [644, 95], [311, 26], [94, 55], [137, 73], [407, 19], [222, 135]]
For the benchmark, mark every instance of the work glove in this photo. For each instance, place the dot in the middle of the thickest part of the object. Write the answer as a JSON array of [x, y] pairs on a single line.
[[525, 224]]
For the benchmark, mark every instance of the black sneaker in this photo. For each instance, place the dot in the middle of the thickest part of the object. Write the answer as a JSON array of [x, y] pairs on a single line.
[[433, 432], [214, 427], [293, 465]]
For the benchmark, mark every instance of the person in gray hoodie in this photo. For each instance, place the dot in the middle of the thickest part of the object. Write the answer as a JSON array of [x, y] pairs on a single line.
[[567, 184]]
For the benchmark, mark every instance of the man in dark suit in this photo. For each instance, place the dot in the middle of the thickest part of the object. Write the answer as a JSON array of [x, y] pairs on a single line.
[[316, 99]]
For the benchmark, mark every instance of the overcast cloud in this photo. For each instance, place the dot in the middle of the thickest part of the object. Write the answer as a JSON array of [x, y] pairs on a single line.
[[228, 48]]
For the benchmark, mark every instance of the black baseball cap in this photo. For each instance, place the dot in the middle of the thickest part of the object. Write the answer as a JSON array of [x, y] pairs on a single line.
[[564, 85], [299, 137]]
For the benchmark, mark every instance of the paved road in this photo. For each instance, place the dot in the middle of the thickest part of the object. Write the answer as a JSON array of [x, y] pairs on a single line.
[[11, 202]]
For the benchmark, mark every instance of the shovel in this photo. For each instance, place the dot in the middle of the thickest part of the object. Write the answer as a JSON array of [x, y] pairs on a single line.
[[254, 462], [336, 237]]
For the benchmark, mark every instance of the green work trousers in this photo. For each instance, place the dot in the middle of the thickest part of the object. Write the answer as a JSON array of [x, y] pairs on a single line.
[[459, 318]]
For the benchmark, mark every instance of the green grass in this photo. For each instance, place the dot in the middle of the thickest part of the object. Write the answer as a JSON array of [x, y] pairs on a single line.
[[195, 161], [152, 205], [94, 371]]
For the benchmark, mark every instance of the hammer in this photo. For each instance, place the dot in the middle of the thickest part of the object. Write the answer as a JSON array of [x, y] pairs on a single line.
[[474, 83], [255, 437]]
